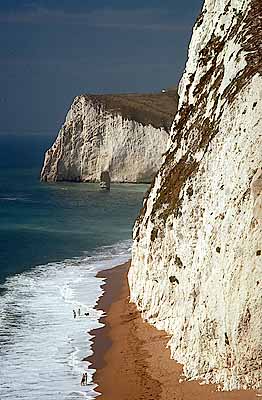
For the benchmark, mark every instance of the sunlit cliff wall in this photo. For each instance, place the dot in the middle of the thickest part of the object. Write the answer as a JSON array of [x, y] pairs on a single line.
[[125, 135], [197, 262]]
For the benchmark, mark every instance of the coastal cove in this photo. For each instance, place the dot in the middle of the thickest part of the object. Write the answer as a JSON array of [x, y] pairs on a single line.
[[131, 243]]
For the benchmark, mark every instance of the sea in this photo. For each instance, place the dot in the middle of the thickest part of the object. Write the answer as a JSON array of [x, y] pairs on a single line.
[[54, 238]]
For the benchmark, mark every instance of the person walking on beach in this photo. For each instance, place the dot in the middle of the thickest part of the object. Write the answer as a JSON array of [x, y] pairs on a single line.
[[86, 378], [74, 313], [83, 379], [79, 312]]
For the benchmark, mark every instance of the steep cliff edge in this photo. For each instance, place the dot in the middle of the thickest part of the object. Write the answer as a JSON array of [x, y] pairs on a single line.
[[197, 254], [125, 135]]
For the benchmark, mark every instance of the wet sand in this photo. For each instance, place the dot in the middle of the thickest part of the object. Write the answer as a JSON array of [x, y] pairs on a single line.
[[131, 358]]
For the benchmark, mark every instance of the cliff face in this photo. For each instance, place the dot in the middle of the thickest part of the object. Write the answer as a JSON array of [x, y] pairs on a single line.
[[125, 135], [196, 266]]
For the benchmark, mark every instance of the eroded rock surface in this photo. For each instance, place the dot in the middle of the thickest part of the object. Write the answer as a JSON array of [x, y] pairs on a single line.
[[124, 135], [197, 263]]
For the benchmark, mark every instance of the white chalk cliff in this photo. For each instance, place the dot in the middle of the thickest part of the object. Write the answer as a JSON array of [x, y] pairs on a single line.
[[197, 254], [125, 135]]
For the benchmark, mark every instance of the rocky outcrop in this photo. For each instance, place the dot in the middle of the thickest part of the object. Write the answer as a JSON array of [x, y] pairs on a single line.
[[196, 267], [124, 135]]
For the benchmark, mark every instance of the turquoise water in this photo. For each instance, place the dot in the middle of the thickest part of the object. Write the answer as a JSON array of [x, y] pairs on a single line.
[[54, 238]]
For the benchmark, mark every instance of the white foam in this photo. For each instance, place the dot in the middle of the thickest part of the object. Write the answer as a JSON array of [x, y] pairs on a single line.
[[41, 344], [14, 198], [9, 198]]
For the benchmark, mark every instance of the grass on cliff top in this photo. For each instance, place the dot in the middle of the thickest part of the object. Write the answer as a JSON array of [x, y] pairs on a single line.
[[157, 109]]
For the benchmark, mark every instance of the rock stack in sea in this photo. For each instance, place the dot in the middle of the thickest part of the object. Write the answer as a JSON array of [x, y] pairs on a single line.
[[197, 254], [124, 135]]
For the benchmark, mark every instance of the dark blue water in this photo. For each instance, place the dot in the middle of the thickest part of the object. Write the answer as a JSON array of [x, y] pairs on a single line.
[[46, 222], [23, 151]]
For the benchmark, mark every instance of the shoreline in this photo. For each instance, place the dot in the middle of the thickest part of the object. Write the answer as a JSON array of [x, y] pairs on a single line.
[[130, 356], [101, 340]]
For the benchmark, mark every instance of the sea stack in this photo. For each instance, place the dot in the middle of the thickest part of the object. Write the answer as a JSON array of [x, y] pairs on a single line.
[[196, 261], [125, 135], [105, 180]]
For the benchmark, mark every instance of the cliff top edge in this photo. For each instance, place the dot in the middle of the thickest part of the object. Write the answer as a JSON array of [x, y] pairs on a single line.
[[156, 109]]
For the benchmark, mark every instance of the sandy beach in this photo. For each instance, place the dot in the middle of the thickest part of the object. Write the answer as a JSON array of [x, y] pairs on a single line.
[[131, 358]]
